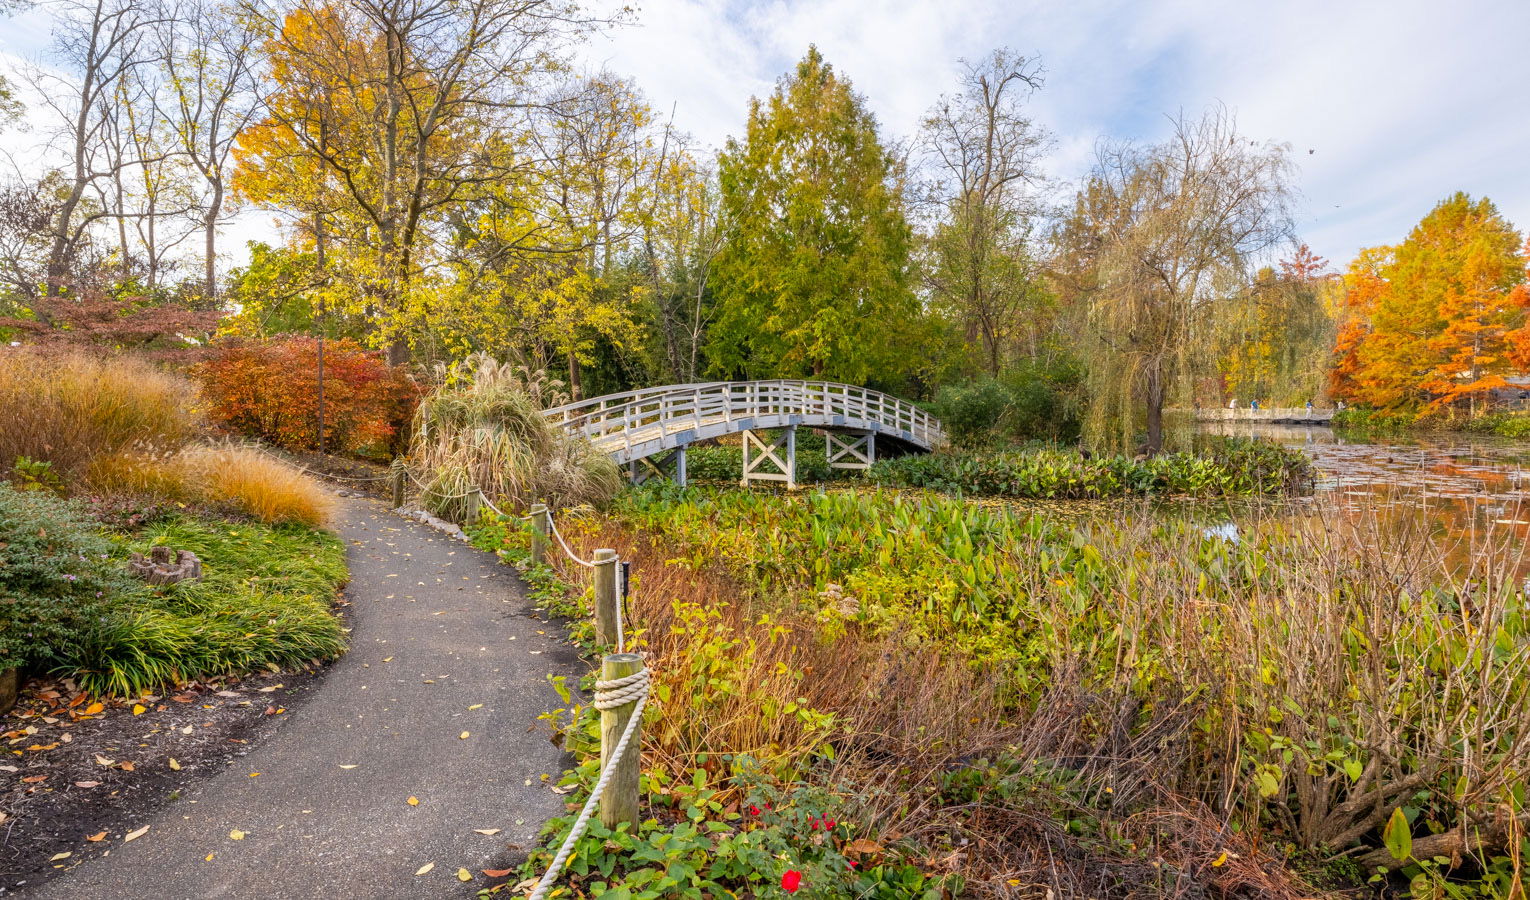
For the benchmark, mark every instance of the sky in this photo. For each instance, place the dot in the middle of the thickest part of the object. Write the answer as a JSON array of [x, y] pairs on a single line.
[[1400, 103], [1388, 106]]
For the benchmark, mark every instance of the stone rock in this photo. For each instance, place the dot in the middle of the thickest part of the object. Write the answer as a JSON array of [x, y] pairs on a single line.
[[166, 566]]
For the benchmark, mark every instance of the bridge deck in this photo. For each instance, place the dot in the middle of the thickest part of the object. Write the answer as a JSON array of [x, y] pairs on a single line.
[[637, 424], [1279, 414]]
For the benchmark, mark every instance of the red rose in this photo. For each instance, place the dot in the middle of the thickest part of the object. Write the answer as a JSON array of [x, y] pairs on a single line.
[[791, 879]]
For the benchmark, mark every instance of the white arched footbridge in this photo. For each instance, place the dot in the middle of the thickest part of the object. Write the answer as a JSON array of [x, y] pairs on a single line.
[[649, 430]]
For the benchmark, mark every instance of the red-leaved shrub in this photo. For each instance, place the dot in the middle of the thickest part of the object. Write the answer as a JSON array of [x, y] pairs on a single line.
[[270, 391]]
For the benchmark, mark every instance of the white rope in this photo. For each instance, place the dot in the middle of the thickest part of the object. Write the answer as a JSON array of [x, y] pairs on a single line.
[[552, 525], [608, 695]]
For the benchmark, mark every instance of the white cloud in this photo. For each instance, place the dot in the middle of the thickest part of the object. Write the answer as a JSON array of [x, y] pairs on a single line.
[[1401, 102]]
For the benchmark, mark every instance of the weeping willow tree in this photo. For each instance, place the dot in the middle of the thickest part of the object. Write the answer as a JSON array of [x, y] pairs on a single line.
[[1158, 236], [484, 428]]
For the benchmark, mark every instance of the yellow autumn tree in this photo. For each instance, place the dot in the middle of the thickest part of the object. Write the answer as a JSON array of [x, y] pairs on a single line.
[[387, 123]]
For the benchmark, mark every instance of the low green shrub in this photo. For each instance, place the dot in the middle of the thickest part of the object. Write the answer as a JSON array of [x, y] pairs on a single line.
[[1026, 403], [1226, 467], [57, 580]]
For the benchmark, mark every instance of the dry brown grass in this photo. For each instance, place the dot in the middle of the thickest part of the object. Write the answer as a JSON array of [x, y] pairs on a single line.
[[71, 409]]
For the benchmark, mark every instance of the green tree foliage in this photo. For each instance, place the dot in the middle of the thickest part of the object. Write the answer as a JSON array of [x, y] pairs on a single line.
[[1163, 234], [815, 277], [980, 267], [1277, 336]]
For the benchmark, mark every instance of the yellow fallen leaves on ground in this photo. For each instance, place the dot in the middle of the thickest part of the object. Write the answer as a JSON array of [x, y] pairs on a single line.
[[135, 835], [236, 835], [425, 868], [414, 801], [464, 875], [175, 766], [139, 709]]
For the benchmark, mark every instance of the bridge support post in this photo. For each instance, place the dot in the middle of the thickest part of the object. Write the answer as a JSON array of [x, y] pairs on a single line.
[[671, 464], [852, 452], [780, 454]]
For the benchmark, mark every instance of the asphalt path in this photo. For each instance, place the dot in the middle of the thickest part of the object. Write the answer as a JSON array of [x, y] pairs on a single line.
[[436, 702]]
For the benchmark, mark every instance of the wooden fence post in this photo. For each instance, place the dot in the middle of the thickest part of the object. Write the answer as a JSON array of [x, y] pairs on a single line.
[[399, 476], [539, 533], [605, 597], [474, 506], [619, 803]]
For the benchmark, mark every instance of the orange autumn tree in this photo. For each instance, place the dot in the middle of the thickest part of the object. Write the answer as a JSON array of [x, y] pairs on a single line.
[[1363, 287], [1434, 328]]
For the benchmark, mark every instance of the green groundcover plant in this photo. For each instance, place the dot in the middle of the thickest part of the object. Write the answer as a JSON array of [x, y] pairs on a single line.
[[68, 606]]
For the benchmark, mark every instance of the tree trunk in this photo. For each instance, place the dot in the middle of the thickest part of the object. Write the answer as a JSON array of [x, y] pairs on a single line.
[[1154, 444], [575, 387], [210, 236]]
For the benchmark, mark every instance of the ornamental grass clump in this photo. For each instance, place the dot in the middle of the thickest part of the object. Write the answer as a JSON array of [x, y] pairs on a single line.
[[72, 409], [484, 428]]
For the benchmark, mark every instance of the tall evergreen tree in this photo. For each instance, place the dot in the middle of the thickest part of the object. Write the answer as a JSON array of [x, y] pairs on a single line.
[[815, 277]]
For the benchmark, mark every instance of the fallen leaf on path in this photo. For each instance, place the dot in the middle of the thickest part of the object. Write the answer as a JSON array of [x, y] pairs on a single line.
[[497, 873], [475, 706], [462, 874], [227, 694], [254, 774], [103, 761], [95, 709], [96, 838], [135, 835], [267, 690], [414, 801], [463, 736], [236, 835], [208, 857], [125, 765], [425, 868], [139, 709], [489, 831], [174, 765], [87, 784], [34, 779], [58, 856], [348, 767]]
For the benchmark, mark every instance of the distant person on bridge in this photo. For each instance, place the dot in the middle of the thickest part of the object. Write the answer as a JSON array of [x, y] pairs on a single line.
[[1233, 403], [1309, 406], [1254, 404]]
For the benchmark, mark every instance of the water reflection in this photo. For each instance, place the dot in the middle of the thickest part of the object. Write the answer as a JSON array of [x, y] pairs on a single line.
[[1461, 488]]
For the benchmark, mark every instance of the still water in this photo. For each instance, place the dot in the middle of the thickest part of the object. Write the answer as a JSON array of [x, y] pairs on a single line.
[[1460, 488]]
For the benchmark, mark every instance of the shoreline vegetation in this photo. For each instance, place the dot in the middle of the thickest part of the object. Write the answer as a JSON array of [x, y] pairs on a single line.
[[1221, 467], [982, 701], [1359, 420]]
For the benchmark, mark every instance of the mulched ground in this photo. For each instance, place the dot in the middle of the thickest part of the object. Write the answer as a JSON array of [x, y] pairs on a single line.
[[78, 775]]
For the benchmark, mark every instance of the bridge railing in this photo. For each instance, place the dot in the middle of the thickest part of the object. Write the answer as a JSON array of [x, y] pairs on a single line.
[[642, 415]]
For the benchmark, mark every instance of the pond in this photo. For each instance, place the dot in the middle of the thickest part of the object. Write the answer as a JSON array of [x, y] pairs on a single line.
[[1461, 488]]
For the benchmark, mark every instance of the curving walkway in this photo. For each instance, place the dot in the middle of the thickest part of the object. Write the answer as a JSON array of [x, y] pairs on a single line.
[[443, 644]]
